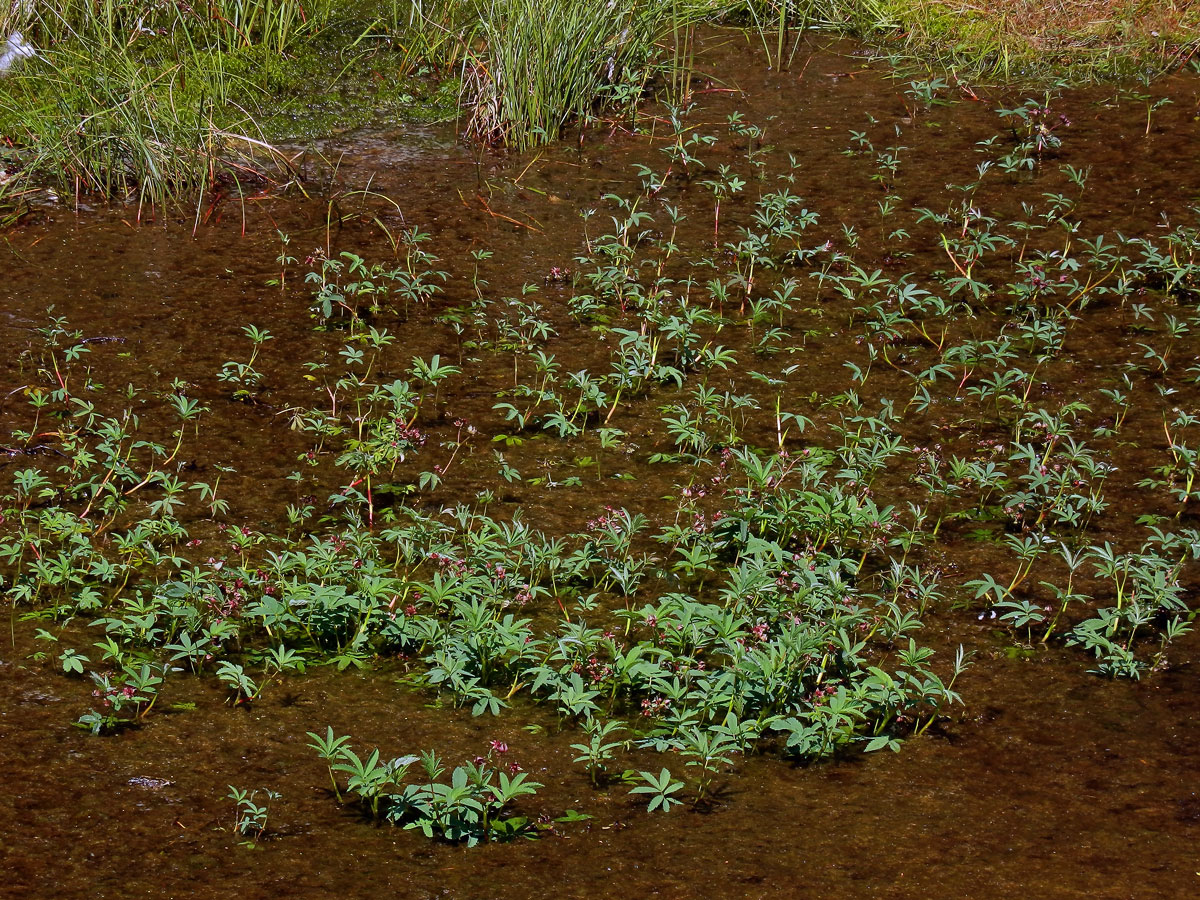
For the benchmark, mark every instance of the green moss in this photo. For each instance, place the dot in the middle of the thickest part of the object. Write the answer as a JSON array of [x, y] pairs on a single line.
[[315, 93]]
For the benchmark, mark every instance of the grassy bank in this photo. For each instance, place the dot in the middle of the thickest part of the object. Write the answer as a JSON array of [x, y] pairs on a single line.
[[148, 101]]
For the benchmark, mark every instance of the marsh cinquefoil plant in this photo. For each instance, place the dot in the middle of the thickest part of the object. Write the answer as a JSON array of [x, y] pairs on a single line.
[[469, 807], [768, 595]]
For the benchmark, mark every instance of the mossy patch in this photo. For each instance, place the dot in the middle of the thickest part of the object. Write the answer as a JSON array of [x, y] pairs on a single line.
[[316, 93]]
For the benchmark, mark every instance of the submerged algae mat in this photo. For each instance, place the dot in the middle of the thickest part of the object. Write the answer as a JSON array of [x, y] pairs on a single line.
[[1047, 779]]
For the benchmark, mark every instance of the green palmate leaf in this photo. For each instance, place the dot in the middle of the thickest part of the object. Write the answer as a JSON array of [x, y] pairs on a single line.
[[660, 788]]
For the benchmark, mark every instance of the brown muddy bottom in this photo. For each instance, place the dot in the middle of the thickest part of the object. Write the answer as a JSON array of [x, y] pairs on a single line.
[[1049, 781]]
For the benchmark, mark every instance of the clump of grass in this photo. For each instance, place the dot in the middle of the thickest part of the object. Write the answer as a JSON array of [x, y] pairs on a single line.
[[543, 63], [780, 23]]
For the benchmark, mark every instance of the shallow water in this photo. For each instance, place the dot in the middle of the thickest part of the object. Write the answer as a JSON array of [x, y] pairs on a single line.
[[1049, 780]]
